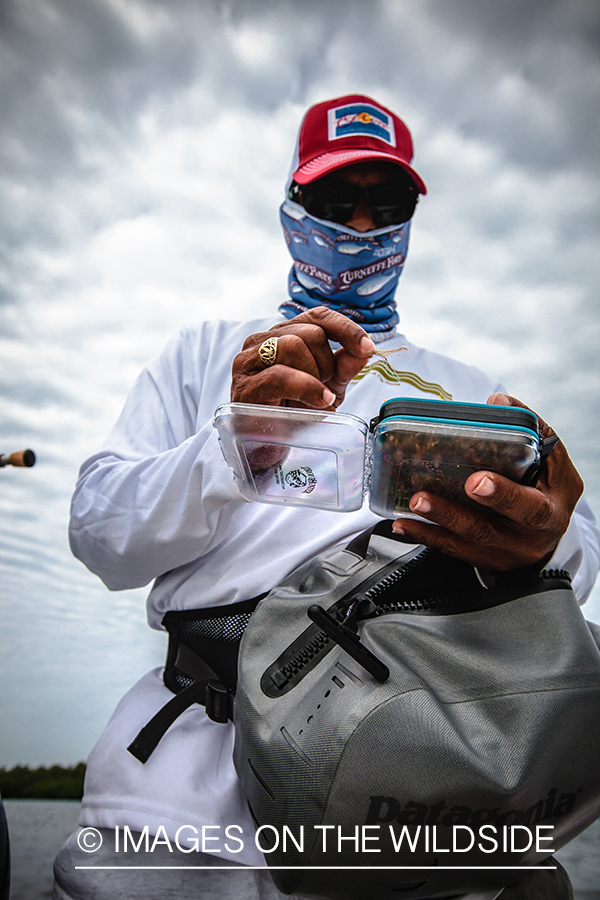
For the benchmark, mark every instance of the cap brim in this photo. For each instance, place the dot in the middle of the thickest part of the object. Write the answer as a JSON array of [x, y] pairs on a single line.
[[329, 162]]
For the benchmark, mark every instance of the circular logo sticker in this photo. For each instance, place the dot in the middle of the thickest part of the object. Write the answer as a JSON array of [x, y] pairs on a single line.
[[296, 478], [304, 478]]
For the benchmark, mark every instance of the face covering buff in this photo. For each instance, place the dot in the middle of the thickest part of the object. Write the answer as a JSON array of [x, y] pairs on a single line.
[[353, 273]]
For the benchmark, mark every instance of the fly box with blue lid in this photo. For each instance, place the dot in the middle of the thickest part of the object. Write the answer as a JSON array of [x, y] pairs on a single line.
[[434, 445]]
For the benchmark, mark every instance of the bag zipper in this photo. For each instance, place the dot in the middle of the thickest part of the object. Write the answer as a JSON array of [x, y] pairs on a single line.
[[474, 600], [348, 612]]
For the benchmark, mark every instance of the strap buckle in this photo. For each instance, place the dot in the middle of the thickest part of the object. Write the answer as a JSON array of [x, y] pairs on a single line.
[[218, 701]]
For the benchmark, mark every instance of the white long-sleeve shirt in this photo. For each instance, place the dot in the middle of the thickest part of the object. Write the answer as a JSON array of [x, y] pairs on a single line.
[[158, 503]]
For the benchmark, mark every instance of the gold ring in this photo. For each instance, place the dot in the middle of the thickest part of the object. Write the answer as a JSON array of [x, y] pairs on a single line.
[[268, 351]]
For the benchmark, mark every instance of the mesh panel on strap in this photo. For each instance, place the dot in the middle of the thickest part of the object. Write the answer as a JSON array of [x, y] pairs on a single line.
[[182, 681], [227, 628]]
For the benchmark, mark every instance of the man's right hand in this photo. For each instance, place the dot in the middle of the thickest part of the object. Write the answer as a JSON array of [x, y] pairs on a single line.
[[306, 372]]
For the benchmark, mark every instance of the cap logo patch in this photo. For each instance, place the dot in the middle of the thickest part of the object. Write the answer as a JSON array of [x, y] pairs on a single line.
[[360, 118]]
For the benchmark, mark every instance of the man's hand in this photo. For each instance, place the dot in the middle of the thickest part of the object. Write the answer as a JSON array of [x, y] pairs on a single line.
[[306, 371], [530, 523]]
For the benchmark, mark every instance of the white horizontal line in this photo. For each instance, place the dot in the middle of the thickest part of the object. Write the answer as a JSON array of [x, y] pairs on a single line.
[[341, 868]]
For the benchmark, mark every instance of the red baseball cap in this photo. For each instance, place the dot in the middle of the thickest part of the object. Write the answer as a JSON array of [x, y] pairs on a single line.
[[347, 130]]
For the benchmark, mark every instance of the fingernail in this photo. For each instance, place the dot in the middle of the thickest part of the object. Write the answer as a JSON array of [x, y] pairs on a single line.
[[328, 397], [367, 346], [485, 488], [397, 528], [421, 506], [499, 399]]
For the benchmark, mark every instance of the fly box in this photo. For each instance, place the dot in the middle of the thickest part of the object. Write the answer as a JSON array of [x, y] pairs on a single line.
[[434, 445], [334, 460]]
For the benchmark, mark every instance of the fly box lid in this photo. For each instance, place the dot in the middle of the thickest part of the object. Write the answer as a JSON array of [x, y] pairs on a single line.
[[482, 413], [301, 457]]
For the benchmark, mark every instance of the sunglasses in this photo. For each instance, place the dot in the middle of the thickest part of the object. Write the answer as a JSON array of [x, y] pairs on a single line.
[[336, 201]]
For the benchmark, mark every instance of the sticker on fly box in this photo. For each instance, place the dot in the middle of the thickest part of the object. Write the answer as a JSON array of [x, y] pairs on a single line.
[[301, 473]]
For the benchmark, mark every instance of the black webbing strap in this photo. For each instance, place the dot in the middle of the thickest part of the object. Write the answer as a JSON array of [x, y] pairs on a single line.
[[145, 742], [192, 665]]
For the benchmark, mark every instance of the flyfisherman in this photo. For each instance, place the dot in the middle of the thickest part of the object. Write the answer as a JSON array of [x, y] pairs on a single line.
[[157, 504]]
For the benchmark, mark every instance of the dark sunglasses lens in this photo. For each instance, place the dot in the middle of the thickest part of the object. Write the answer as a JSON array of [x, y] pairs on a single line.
[[392, 206], [329, 202]]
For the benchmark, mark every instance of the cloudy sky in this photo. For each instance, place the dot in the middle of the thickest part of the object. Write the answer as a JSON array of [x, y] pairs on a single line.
[[144, 147]]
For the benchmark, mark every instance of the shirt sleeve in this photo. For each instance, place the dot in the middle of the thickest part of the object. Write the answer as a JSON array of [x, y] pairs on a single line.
[[159, 493], [578, 551]]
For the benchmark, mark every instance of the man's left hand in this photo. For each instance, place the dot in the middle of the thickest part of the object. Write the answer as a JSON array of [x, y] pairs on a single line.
[[525, 523]]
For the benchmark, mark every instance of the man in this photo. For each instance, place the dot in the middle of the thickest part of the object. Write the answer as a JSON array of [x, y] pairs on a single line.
[[158, 502]]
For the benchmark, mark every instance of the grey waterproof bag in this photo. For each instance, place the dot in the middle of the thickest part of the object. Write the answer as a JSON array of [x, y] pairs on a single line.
[[404, 732]]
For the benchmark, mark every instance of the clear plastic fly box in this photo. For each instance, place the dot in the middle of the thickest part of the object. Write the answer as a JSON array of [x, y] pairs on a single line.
[[334, 460]]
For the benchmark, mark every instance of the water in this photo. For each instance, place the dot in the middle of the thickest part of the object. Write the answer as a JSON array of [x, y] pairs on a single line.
[[37, 831], [581, 859], [38, 828]]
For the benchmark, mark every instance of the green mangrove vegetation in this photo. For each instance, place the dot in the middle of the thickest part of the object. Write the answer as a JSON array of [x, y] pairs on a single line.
[[43, 783]]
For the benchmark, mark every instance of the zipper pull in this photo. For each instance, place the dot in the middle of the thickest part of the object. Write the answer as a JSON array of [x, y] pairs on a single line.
[[350, 642]]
